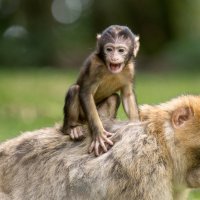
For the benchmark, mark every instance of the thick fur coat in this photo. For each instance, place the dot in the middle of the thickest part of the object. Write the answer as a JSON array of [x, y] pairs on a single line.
[[149, 159]]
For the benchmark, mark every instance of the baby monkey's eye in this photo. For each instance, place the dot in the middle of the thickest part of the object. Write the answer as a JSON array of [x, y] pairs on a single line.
[[108, 49], [121, 50]]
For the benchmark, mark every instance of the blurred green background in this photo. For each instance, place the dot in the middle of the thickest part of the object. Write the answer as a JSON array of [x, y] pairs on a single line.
[[44, 42], [61, 33]]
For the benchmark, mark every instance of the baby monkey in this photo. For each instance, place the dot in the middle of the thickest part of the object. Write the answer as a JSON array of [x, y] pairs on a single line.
[[110, 68]]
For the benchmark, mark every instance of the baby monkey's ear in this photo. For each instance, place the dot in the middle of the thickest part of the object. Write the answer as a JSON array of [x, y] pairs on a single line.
[[97, 43], [98, 36], [136, 45], [181, 115]]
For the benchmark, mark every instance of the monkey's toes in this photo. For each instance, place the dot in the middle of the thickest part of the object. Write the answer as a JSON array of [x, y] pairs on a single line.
[[76, 133]]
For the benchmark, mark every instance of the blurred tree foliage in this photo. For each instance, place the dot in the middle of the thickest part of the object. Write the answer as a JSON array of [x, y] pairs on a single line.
[[148, 18], [31, 33]]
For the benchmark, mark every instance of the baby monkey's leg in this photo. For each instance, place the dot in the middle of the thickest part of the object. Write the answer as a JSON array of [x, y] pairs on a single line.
[[108, 107], [71, 124]]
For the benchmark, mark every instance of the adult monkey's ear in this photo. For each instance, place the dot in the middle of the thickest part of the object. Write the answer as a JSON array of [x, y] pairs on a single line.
[[136, 45], [181, 115]]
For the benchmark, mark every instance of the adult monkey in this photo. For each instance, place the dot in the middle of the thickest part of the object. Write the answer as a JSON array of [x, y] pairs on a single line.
[[110, 68], [148, 161]]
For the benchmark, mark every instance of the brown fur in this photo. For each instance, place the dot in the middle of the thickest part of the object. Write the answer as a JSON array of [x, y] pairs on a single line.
[[148, 161], [98, 80]]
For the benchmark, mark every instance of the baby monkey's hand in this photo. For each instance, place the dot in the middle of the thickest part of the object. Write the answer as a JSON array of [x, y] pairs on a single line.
[[100, 143]]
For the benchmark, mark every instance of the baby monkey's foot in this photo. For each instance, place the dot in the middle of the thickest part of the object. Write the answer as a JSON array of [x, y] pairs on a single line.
[[101, 143], [76, 133]]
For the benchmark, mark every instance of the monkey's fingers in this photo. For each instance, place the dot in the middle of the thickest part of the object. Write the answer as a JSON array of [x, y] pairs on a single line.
[[108, 134], [103, 146], [100, 144], [80, 133], [107, 140], [75, 133], [108, 147], [92, 147], [71, 134], [96, 148]]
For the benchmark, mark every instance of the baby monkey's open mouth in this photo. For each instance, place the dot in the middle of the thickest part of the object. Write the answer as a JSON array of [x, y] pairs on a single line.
[[115, 67]]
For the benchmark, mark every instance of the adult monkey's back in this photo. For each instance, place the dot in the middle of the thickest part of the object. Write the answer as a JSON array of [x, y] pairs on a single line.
[[148, 160]]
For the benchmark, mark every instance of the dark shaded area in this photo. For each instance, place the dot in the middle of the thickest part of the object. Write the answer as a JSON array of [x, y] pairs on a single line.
[[61, 33]]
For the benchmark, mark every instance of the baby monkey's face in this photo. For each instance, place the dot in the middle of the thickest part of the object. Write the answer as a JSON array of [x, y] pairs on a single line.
[[116, 46], [115, 56]]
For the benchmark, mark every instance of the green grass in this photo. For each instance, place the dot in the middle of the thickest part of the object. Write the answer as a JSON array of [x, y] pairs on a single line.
[[156, 88], [31, 99]]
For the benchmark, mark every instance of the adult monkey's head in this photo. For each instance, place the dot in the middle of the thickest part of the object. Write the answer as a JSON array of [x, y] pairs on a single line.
[[116, 46]]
